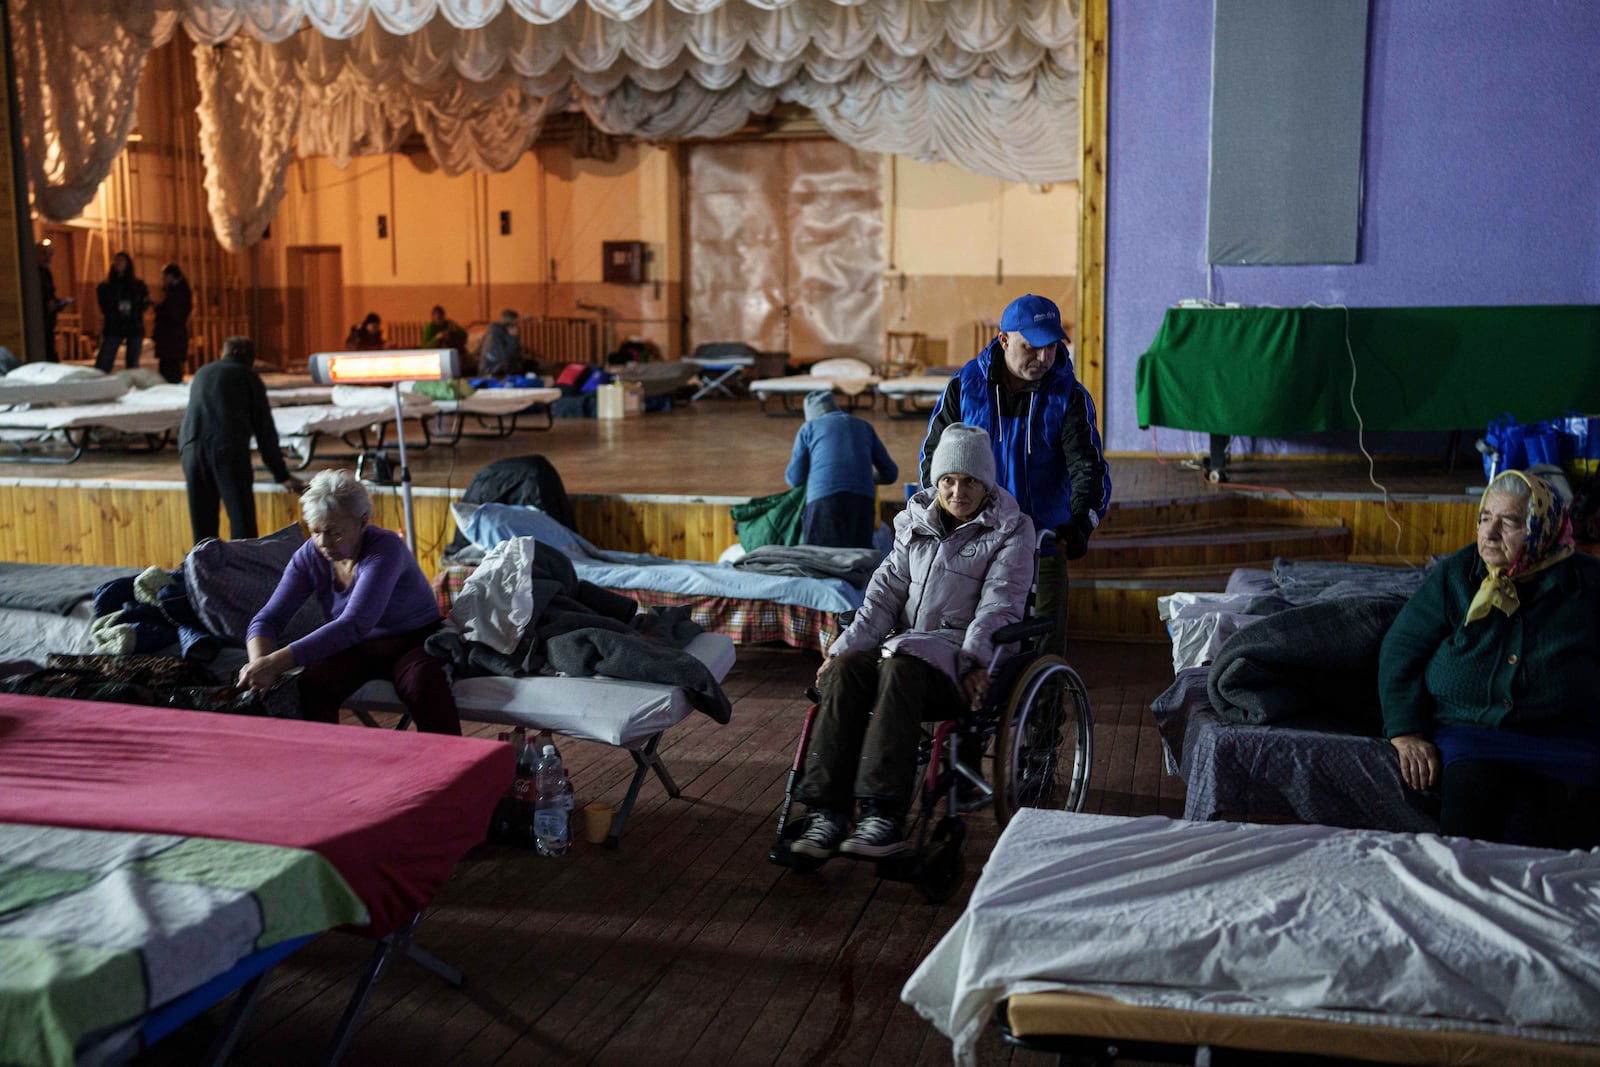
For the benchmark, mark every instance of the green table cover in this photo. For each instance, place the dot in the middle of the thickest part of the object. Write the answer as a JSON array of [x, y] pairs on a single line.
[[1276, 371]]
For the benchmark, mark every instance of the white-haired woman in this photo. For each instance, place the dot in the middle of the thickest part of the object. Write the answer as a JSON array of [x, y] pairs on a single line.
[[379, 607]]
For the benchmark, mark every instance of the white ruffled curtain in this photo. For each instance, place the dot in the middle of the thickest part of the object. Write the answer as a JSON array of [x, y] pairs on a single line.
[[989, 85], [75, 124]]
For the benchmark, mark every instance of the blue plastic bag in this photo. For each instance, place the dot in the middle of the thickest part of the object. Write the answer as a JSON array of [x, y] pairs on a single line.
[[1580, 445], [1519, 445]]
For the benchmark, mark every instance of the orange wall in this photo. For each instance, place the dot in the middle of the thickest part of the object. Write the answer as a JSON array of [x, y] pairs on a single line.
[[957, 246]]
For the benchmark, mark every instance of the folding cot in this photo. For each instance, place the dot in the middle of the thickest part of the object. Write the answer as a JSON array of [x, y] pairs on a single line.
[[299, 395], [237, 839], [46, 607], [750, 606], [60, 383], [914, 395], [301, 427], [149, 414], [504, 406], [1265, 724], [611, 711], [852, 378], [1171, 939], [721, 364]]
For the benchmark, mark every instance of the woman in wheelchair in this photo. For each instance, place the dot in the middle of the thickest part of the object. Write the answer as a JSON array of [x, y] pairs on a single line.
[[918, 650]]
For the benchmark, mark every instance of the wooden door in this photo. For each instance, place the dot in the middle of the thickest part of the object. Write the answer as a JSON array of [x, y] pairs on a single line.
[[315, 301]]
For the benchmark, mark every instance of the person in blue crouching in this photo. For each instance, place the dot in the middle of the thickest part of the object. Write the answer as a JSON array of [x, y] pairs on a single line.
[[841, 462]]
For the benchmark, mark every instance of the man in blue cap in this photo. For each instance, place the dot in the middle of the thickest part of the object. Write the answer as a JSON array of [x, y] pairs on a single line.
[[1041, 424]]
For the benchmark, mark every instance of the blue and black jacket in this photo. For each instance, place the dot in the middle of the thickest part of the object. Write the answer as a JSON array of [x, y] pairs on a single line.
[[1046, 441]]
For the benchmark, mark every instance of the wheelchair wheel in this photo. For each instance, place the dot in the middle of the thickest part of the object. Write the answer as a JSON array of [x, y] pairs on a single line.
[[1045, 742]]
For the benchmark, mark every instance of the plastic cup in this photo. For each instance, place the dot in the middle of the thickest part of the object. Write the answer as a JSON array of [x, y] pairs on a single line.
[[597, 822]]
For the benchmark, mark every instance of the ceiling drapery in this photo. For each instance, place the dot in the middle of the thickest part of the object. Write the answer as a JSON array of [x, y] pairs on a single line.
[[989, 85]]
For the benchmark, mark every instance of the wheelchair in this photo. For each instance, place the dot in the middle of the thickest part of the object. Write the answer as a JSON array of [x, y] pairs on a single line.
[[1034, 731]]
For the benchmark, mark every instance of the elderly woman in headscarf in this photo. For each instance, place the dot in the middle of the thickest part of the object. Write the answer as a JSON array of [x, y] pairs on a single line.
[[1490, 677]]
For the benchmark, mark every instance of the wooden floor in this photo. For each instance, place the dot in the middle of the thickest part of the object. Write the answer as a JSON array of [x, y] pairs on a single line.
[[684, 945]]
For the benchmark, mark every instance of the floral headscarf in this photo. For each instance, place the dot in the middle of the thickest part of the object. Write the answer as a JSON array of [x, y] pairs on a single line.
[[1549, 542]]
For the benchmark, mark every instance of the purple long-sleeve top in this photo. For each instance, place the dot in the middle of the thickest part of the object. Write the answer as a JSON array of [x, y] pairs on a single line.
[[388, 596]]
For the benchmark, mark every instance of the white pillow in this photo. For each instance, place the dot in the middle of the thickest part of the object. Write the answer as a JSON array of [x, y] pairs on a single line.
[[841, 367]]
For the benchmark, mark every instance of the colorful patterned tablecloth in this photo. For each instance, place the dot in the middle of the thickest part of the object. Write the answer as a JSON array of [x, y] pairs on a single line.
[[99, 928]]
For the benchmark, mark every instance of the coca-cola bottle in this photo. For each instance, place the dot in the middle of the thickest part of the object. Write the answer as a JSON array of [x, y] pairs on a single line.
[[500, 823], [525, 793]]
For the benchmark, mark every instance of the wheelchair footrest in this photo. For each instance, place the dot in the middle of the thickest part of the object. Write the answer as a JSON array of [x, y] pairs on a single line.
[[908, 866], [783, 856]]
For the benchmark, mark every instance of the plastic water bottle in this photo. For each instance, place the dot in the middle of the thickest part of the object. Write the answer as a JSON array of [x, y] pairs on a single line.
[[545, 739], [551, 822]]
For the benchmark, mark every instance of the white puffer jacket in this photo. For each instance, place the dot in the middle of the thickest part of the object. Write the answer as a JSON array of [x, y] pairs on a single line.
[[940, 597]]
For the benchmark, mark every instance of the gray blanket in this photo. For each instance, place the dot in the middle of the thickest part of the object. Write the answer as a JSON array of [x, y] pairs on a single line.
[[53, 588], [581, 630], [1268, 774], [1314, 665], [854, 565]]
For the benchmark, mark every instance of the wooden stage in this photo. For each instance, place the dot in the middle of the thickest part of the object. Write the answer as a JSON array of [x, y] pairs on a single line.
[[664, 483], [729, 448]]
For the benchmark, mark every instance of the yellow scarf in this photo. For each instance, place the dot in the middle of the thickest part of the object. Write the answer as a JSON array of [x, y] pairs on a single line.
[[1549, 542]]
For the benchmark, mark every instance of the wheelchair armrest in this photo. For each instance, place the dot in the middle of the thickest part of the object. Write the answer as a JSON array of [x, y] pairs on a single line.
[[1021, 631]]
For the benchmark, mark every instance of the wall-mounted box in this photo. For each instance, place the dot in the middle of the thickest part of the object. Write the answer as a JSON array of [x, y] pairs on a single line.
[[623, 262]]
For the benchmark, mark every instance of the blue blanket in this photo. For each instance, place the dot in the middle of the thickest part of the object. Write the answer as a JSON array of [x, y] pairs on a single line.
[[490, 524]]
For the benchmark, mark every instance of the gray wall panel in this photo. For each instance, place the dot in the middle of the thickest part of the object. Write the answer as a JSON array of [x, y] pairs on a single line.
[[1288, 86]]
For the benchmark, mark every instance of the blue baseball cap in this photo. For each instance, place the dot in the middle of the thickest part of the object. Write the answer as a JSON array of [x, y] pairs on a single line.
[[1038, 320]]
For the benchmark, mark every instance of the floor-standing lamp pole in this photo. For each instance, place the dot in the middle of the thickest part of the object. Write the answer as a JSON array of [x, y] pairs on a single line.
[[393, 367]]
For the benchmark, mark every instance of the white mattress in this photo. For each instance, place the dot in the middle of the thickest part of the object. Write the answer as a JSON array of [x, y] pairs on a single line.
[[1352, 926], [304, 420], [299, 396], [811, 383], [70, 391], [33, 635], [609, 710], [144, 417], [923, 386], [723, 361]]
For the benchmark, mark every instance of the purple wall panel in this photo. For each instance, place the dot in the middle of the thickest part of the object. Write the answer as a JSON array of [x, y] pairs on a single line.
[[1481, 176]]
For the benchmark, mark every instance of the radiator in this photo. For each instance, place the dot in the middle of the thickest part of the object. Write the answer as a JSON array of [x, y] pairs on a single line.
[[562, 340]]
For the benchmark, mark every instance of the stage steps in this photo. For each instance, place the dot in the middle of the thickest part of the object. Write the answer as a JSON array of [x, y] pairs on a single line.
[[1145, 551]]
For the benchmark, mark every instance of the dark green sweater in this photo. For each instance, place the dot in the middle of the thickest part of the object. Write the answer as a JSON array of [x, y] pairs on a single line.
[[1537, 671]]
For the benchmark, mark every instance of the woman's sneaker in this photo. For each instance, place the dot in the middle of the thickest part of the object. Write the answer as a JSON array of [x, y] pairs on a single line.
[[820, 836], [875, 837]]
